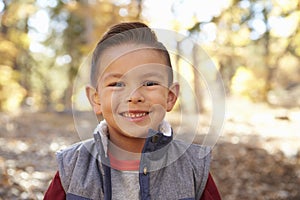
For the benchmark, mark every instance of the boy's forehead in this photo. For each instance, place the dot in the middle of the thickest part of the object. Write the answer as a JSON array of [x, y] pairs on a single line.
[[143, 57], [115, 52]]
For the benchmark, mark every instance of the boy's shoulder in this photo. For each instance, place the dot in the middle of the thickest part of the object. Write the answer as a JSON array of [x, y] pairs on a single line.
[[177, 146], [79, 156], [77, 152], [191, 149], [87, 148], [79, 147]]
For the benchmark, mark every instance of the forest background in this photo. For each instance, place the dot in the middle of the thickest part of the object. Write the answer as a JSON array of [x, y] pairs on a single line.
[[254, 44]]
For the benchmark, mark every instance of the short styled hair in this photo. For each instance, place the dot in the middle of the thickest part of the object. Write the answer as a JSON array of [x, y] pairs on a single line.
[[127, 33]]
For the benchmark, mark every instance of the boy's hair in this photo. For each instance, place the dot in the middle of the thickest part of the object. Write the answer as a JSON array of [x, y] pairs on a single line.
[[127, 33]]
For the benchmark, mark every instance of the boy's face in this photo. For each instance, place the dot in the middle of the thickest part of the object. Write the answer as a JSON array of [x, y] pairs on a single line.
[[133, 93]]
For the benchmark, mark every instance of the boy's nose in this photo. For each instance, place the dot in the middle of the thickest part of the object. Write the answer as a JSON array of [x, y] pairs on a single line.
[[136, 97]]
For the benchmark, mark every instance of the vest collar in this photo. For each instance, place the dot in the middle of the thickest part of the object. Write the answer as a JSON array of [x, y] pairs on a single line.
[[163, 134]]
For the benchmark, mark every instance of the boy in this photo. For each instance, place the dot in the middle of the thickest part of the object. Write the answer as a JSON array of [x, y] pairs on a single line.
[[133, 154]]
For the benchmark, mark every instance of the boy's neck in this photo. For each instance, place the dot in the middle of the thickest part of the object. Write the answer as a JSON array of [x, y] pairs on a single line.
[[125, 148]]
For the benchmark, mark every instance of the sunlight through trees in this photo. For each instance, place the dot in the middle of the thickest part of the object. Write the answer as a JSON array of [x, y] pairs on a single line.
[[43, 43]]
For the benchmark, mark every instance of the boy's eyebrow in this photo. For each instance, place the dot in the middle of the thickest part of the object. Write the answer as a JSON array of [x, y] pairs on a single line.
[[114, 75], [156, 74]]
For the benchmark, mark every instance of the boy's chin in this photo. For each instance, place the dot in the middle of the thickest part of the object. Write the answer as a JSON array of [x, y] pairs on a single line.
[[137, 133], [137, 130]]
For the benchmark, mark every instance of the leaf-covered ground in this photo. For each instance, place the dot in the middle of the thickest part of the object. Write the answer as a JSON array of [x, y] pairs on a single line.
[[257, 157]]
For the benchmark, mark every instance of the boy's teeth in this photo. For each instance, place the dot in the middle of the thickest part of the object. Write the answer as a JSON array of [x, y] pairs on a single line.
[[133, 115]]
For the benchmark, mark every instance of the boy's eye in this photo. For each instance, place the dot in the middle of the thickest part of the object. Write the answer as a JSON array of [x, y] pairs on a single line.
[[116, 84], [150, 83]]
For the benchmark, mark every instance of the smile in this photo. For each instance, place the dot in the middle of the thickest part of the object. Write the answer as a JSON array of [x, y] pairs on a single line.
[[134, 114]]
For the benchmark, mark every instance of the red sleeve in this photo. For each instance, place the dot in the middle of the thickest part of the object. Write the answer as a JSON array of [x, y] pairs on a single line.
[[55, 190], [210, 191]]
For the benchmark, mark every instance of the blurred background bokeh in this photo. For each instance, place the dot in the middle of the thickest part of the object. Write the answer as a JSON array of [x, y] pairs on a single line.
[[255, 45]]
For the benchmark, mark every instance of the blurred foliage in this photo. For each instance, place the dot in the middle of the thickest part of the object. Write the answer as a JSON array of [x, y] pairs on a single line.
[[12, 93], [246, 83], [256, 45], [14, 44], [42, 64]]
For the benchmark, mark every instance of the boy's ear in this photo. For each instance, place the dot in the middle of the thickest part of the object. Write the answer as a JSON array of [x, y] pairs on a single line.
[[172, 96], [94, 99]]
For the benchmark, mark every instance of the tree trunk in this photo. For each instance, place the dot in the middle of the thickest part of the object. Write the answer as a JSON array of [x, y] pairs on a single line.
[[197, 83]]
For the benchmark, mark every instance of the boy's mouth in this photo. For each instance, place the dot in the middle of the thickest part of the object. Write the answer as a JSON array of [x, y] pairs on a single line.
[[134, 115]]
